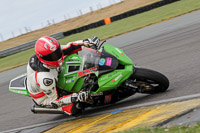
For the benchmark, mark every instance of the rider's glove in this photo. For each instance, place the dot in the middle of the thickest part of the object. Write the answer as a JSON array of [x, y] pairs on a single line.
[[76, 97], [89, 42], [79, 97]]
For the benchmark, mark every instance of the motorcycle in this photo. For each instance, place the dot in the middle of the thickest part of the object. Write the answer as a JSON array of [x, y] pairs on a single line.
[[105, 71]]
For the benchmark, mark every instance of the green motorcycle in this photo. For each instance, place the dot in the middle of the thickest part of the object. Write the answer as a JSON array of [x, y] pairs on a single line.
[[105, 71]]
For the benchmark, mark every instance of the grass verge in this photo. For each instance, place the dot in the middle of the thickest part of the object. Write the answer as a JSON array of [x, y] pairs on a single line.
[[113, 29], [173, 129]]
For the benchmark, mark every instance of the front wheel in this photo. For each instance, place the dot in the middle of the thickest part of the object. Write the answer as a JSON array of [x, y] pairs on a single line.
[[149, 81]]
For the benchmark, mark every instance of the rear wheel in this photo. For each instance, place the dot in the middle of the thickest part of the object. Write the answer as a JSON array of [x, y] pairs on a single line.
[[149, 81]]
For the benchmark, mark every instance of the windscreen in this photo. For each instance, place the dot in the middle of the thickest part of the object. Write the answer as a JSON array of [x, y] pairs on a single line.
[[90, 61], [90, 58]]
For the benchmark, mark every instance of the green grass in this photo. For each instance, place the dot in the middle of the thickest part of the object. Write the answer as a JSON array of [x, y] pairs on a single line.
[[114, 29], [16, 60], [172, 129]]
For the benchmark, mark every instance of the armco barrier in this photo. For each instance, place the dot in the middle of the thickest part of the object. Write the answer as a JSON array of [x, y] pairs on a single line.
[[120, 16], [142, 9], [57, 35], [84, 28], [25, 46], [60, 35], [17, 49]]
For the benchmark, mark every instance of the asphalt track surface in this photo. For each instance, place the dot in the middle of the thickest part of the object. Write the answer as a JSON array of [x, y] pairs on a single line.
[[171, 47]]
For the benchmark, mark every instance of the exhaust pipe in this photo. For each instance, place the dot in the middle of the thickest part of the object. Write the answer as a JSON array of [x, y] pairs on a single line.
[[41, 110]]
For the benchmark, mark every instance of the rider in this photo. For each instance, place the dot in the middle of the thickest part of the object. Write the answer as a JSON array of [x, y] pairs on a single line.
[[43, 69]]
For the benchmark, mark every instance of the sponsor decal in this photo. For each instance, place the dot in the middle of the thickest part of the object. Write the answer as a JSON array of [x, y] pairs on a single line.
[[119, 51], [107, 98], [108, 61], [117, 78], [102, 61], [47, 81], [74, 76], [70, 81], [97, 94], [73, 58], [109, 76], [88, 71], [18, 91]]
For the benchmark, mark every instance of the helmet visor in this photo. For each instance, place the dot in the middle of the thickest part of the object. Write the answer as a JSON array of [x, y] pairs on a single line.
[[54, 56]]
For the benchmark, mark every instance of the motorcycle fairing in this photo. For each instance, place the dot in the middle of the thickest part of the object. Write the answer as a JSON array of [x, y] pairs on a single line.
[[119, 54], [18, 85], [68, 78], [111, 78], [115, 78]]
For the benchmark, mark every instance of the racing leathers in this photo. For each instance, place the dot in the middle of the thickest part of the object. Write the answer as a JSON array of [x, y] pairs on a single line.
[[41, 81]]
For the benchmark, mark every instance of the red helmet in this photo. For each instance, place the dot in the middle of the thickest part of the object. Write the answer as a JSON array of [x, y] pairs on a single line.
[[49, 52]]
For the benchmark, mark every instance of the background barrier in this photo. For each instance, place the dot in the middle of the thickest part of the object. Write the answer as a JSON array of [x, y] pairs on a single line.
[[60, 35], [25, 46]]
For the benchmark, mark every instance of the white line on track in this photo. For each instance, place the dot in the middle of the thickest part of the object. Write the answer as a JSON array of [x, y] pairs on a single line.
[[108, 111]]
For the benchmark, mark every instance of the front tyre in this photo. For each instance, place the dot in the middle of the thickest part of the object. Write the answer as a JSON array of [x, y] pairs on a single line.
[[149, 81]]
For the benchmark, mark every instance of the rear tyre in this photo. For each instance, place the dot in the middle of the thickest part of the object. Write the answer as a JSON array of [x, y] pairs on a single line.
[[149, 81]]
